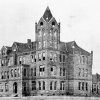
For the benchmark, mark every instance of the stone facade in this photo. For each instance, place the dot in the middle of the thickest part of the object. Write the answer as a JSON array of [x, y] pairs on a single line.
[[46, 66], [96, 84]]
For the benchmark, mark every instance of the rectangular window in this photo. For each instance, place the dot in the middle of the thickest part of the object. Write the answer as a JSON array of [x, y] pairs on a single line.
[[35, 71], [32, 58], [86, 86], [6, 87], [44, 44], [79, 71], [62, 85], [31, 71], [43, 55], [63, 58], [50, 85], [86, 72], [24, 86], [64, 72], [60, 58], [25, 73], [35, 58], [39, 56], [60, 71], [39, 85], [83, 86], [42, 69], [20, 60], [15, 73], [11, 72], [51, 56], [79, 86], [55, 85], [55, 57], [33, 85], [8, 74], [43, 85], [53, 70]]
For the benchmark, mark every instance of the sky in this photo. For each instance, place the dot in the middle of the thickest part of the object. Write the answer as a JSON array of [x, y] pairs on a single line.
[[80, 22]]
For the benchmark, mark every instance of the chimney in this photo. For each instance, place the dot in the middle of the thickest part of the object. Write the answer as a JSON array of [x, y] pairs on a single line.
[[29, 41]]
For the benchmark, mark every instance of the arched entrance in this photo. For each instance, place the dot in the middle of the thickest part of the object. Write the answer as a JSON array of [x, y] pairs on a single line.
[[15, 87]]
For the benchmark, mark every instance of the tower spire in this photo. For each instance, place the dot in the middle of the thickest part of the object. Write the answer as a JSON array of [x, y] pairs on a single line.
[[47, 14]]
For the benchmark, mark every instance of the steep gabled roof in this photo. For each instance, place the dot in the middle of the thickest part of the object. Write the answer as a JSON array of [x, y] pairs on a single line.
[[21, 47], [73, 47], [47, 15]]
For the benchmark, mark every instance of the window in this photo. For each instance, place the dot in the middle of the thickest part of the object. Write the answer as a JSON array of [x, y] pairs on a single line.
[[64, 72], [82, 85], [40, 33], [40, 45], [41, 23], [33, 85], [24, 86], [53, 70], [55, 57], [43, 85], [44, 43], [86, 86], [39, 85], [5, 75], [20, 60], [83, 72], [2, 75], [50, 85], [15, 73], [44, 34], [55, 85], [11, 72], [51, 56], [50, 43], [83, 59], [25, 74], [44, 55], [62, 85], [35, 58], [18, 71], [32, 58], [79, 72], [63, 58], [8, 74], [39, 56], [42, 69], [31, 71], [55, 45], [60, 58], [79, 86], [35, 71], [86, 72], [53, 24], [55, 34], [60, 71], [6, 87]]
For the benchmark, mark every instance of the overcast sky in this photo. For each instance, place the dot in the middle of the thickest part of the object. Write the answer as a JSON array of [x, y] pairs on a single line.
[[80, 21]]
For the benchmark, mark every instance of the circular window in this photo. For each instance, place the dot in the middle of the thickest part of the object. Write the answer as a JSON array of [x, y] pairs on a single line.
[[41, 23], [53, 23]]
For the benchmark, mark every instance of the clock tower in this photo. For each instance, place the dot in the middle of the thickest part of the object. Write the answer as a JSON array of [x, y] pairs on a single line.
[[47, 31]]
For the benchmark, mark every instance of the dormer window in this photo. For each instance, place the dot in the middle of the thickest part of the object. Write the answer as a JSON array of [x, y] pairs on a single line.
[[41, 23], [53, 24]]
